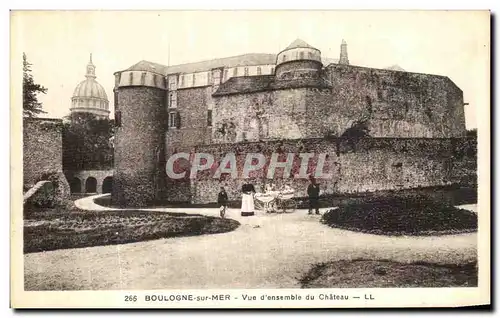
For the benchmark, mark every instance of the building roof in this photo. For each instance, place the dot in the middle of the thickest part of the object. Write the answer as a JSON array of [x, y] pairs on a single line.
[[251, 84], [395, 68], [149, 67], [227, 62], [299, 43]]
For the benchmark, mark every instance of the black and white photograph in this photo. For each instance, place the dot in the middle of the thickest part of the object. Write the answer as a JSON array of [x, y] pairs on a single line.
[[239, 159]]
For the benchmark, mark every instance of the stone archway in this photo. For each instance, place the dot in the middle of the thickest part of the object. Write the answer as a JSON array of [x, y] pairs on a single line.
[[107, 185], [75, 185], [91, 185]]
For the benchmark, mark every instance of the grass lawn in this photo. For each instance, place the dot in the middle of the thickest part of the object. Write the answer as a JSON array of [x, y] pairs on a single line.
[[54, 229], [417, 215], [382, 273]]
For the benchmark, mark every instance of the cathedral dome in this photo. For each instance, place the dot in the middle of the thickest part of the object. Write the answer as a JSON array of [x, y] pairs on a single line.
[[89, 96], [90, 88]]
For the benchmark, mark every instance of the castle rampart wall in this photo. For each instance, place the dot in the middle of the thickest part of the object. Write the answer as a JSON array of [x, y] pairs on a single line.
[[365, 165], [42, 148]]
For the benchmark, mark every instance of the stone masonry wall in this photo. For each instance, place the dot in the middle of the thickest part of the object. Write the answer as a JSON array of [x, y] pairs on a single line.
[[356, 166], [42, 148], [139, 153], [193, 110], [259, 116], [395, 104]]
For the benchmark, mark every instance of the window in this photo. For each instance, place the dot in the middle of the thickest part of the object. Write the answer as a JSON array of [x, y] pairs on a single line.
[[131, 78], [172, 100], [225, 74], [173, 120], [301, 55], [116, 99], [259, 71], [284, 58], [235, 71], [143, 78], [118, 118], [182, 80], [310, 55], [209, 118], [172, 84], [272, 70], [246, 71], [194, 79]]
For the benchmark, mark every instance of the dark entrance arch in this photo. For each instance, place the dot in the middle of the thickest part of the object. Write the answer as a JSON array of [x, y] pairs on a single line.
[[75, 185], [107, 185], [91, 185]]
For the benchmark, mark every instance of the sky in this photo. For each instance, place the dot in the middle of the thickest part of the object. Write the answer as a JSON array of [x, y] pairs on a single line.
[[58, 43]]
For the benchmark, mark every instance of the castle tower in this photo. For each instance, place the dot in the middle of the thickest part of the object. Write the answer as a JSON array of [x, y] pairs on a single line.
[[89, 96], [343, 53], [298, 60], [139, 144]]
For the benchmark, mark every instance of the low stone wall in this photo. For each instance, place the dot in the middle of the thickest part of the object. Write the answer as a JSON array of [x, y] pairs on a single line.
[[363, 165], [42, 148]]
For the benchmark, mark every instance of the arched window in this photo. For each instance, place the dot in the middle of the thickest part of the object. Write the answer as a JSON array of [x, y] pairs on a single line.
[[107, 185], [75, 185], [91, 185]]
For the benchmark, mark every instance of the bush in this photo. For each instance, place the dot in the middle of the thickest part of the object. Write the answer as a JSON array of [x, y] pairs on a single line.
[[62, 192], [416, 215], [59, 229], [361, 273]]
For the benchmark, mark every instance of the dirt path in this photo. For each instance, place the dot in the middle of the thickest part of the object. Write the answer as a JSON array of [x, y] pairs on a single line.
[[266, 251]]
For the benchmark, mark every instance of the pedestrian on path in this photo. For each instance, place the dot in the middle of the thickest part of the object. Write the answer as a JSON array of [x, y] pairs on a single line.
[[222, 201], [313, 193], [247, 204]]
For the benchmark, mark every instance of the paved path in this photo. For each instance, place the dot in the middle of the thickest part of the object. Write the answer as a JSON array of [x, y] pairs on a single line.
[[266, 251]]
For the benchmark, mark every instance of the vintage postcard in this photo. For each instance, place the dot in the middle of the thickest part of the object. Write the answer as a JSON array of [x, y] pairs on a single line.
[[250, 159]]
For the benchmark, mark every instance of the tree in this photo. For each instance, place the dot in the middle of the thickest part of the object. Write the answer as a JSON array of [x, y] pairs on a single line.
[[31, 106], [86, 143]]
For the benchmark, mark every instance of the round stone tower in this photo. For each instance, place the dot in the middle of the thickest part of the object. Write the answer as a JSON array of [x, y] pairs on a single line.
[[139, 144], [298, 60]]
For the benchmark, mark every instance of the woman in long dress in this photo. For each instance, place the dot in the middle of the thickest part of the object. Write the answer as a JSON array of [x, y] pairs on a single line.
[[247, 204]]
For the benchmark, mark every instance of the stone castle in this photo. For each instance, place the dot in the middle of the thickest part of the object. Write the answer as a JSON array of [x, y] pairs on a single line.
[[264, 98]]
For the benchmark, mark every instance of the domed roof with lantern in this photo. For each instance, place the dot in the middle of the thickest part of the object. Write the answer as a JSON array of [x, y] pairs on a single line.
[[89, 96]]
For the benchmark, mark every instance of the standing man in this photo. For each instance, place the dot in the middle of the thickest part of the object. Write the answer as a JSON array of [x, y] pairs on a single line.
[[313, 193], [222, 201]]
